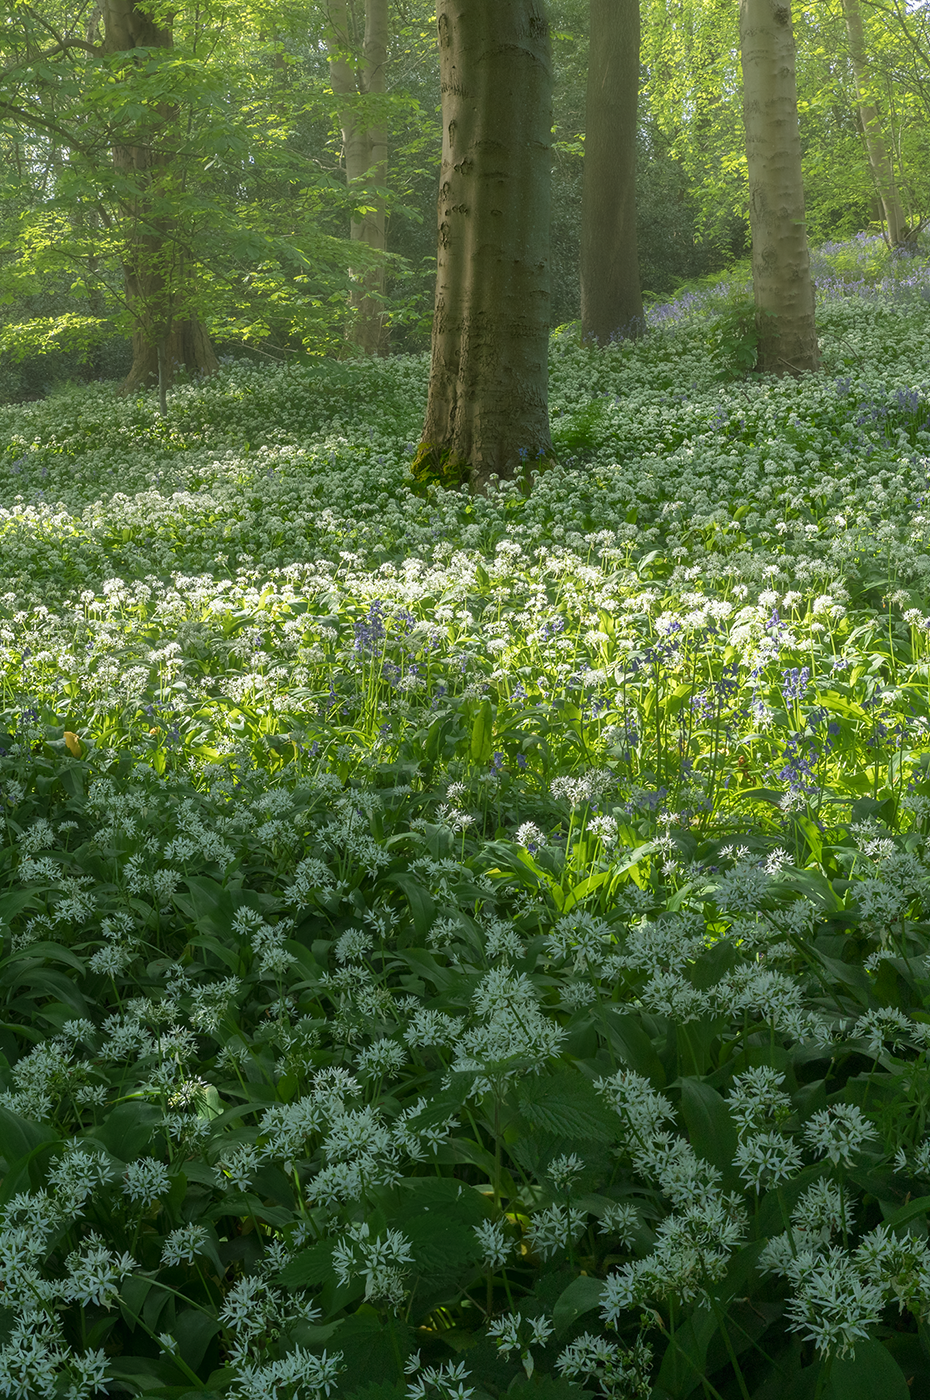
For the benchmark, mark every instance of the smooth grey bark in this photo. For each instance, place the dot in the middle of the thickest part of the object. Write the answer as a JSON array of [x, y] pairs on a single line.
[[880, 162], [487, 410], [166, 332], [611, 297], [781, 275], [365, 152]]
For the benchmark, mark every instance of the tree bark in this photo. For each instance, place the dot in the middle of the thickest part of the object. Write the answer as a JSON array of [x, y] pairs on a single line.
[[364, 145], [487, 410], [611, 297], [166, 333], [880, 162], [781, 276]]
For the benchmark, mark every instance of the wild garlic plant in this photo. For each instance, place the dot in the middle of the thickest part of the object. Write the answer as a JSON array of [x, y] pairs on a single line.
[[456, 946]]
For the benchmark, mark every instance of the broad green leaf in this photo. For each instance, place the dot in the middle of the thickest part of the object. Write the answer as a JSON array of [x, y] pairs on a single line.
[[128, 1128], [482, 733], [20, 1136], [193, 1330], [872, 1374], [371, 1347], [629, 1039], [683, 1364], [581, 1295], [422, 905], [710, 1128]]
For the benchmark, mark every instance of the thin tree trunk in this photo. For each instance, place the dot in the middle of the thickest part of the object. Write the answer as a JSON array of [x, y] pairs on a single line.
[[154, 260], [880, 162], [611, 297], [365, 153], [781, 276], [487, 410]]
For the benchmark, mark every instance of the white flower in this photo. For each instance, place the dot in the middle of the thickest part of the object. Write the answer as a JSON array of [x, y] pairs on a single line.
[[833, 1306], [756, 1098], [385, 1057], [563, 1170], [620, 1222], [300, 1371], [94, 1273], [145, 1180], [236, 1167], [838, 1132], [443, 1382], [766, 1159], [380, 1259], [183, 1245], [496, 1249], [554, 1228]]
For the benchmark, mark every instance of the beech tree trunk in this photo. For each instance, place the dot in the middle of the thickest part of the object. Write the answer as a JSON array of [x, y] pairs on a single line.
[[364, 145], [487, 411], [781, 276], [166, 332], [611, 297], [880, 162]]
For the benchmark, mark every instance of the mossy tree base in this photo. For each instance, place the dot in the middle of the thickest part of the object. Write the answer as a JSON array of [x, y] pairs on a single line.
[[439, 466]]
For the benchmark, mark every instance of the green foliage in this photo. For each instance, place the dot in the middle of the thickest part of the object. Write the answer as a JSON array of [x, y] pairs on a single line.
[[733, 337], [470, 943], [438, 467], [576, 434]]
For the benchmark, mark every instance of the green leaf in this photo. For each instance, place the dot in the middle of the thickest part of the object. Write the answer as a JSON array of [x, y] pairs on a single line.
[[19, 1136], [145, 1372], [627, 1036], [711, 1130], [370, 1347], [128, 1129], [685, 1358], [482, 733], [567, 1104], [310, 1267], [422, 905], [193, 1330], [380, 1390], [911, 1211], [210, 904], [581, 1295], [870, 1374]]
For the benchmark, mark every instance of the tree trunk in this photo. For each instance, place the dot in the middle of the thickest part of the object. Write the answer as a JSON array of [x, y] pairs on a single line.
[[879, 160], [166, 333], [487, 410], [364, 148], [781, 276], [611, 298]]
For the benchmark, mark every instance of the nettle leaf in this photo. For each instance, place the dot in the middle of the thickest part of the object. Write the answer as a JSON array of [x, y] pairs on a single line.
[[309, 1268], [568, 1105], [371, 1347]]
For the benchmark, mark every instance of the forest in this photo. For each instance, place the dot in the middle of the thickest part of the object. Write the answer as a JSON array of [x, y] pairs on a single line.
[[465, 716]]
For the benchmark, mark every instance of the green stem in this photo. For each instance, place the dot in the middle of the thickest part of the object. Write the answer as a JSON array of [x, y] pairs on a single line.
[[178, 1360], [734, 1362]]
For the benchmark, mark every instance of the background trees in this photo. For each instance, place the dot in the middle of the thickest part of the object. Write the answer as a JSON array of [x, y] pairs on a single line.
[[487, 409], [269, 209], [781, 274], [611, 295], [358, 86]]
